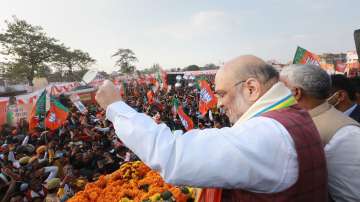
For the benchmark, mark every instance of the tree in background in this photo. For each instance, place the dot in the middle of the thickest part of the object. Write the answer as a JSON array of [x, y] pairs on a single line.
[[28, 52], [72, 64], [27, 49], [15, 72], [192, 68], [153, 69], [125, 60], [210, 66]]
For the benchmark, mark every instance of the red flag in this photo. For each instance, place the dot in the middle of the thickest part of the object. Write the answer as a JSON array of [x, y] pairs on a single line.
[[3, 109], [184, 118], [150, 97], [207, 97], [57, 114]]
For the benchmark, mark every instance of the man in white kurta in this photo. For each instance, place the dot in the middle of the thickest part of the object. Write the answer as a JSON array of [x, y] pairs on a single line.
[[256, 153], [211, 157], [340, 134]]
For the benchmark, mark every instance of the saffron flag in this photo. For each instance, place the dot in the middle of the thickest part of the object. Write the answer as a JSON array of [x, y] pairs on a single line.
[[184, 118], [150, 79], [303, 56], [3, 110], [150, 97], [207, 97], [37, 115], [57, 114]]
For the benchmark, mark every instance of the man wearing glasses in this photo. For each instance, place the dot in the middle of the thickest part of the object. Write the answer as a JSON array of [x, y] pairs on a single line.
[[272, 152]]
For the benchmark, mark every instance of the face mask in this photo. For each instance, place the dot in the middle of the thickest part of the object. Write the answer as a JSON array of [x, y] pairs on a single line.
[[334, 99]]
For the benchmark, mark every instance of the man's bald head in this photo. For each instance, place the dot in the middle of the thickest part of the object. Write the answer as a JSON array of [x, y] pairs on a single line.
[[244, 61], [241, 82], [246, 66]]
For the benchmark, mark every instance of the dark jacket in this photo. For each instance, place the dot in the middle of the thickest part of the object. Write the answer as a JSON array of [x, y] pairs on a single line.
[[356, 114]]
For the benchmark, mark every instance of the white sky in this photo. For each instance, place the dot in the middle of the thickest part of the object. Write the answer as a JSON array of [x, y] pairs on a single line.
[[180, 33]]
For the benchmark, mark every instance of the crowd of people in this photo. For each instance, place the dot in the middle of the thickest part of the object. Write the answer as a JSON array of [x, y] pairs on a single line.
[[162, 107], [43, 165], [53, 165]]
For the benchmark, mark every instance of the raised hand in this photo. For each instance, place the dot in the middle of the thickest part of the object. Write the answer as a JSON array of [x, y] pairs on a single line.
[[107, 94]]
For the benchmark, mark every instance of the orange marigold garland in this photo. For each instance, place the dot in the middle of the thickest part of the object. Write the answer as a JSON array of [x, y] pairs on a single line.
[[132, 182]]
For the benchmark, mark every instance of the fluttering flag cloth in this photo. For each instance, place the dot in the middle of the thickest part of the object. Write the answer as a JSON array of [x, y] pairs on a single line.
[[185, 119], [150, 97], [207, 99], [38, 112], [303, 56], [57, 114]]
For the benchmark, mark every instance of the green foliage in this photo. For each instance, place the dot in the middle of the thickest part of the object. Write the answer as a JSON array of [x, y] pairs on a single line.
[[126, 58], [29, 53], [192, 68], [153, 69], [210, 66], [71, 64], [27, 48]]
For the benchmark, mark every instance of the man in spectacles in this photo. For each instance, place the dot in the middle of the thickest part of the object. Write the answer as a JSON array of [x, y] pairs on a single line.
[[273, 151]]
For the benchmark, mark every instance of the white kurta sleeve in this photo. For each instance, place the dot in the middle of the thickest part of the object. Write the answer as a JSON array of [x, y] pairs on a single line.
[[258, 155], [343, 163]]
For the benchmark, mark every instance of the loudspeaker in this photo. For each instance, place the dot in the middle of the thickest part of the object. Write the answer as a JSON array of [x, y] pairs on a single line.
[[357, 42]]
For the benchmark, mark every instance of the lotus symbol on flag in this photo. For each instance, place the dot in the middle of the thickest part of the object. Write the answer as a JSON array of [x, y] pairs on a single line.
[[184, 122], [312, 61], [52, 117], [205, 96]]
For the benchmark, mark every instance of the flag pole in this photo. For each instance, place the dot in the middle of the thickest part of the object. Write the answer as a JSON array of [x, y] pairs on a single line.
[[197, 102]]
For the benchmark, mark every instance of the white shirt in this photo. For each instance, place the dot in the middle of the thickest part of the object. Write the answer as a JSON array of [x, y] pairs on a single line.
[[26, 140], [258, 155], [350, 110], [343, 163], [107, 129], [53, 170]]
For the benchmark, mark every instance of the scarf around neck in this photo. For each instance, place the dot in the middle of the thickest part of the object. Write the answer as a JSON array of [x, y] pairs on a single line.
[[277, 97]]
